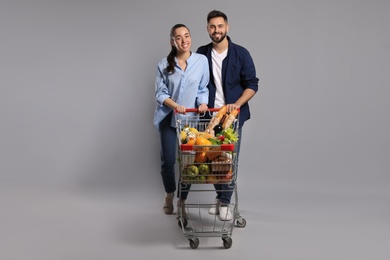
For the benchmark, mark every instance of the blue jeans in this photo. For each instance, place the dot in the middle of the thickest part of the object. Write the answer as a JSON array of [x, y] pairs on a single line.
[[225, 191], [168, 139]]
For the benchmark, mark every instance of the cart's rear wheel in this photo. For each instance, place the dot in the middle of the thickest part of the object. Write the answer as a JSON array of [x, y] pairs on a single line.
[[227, 242], [194, 242], [241, 222]]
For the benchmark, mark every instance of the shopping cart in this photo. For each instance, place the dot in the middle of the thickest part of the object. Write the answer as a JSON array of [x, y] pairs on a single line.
[[202, 164]]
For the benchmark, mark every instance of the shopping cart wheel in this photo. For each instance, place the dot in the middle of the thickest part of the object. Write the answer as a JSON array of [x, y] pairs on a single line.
[[227, 242], [241, 222], [184, 224], [194, 242]]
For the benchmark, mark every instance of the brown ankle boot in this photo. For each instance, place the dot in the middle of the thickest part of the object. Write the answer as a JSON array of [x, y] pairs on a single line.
[[168, 205]]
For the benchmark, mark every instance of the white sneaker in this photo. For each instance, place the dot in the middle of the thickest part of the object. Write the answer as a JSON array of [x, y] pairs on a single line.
[[214, 210], [225, 213]]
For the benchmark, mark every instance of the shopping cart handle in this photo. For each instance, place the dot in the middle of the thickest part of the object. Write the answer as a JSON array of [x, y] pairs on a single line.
[[196, 110], [191, 110]]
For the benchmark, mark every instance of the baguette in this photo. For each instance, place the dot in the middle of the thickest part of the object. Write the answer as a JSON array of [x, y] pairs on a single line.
[[213, 122], [218, 118], [222, 111], [230, 119]]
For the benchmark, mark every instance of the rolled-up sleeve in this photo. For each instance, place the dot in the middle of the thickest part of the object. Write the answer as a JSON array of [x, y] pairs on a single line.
[[248, 73]]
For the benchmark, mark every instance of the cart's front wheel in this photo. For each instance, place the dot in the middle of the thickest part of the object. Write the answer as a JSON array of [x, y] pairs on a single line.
[[227, 242], [194, 242]]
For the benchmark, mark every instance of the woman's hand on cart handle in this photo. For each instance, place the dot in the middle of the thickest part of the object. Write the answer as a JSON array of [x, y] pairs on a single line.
[[203, 108], [181, 109]]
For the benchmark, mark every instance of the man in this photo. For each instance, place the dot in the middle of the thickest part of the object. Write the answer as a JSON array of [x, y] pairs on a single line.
[[233, 82]]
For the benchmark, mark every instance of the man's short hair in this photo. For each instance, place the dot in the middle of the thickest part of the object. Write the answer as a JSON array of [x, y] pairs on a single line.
[[216, 13]]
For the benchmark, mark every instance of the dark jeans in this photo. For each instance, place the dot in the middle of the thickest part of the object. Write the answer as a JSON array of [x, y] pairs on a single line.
[[168, 139], [225, 191]]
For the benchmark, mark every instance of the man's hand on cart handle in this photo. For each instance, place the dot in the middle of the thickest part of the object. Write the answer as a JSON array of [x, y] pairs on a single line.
[[231, 107]]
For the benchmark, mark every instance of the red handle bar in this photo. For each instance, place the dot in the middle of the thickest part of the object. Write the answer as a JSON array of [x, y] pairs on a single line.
[[196, 110]]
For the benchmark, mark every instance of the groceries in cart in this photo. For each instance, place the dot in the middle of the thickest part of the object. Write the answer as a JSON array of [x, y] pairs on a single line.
[[207, 148]]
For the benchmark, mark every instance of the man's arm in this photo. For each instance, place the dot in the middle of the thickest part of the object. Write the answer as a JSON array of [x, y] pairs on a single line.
[[245, 97]]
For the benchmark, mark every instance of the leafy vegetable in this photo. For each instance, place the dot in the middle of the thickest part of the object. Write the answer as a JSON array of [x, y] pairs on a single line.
[[226, 136]]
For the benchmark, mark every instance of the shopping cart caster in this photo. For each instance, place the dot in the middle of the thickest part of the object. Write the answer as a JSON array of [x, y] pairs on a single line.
[[184, 224], [241, 222], [194, 242], [227, 242]]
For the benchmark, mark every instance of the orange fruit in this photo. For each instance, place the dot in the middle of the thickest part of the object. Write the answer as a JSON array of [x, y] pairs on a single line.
[[201, 141], [191, 142], [200, 157]]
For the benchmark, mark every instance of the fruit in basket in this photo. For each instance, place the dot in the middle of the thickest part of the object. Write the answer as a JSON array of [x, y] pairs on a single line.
[[191, 142], [230, 135], [201, 141], [201, 179], [212, 179], [192, 170], [200, 157], [226, 177], [204, 135], [183, 137], [204, 169], [193, 130]]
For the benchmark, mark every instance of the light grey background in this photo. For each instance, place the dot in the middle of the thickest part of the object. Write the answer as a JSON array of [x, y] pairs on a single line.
[[79, 171]]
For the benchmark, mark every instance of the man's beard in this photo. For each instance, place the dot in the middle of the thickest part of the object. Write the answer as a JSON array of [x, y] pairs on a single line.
[[223, 36]]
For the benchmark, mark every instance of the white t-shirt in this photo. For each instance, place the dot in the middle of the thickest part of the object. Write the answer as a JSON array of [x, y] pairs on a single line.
[[217, 59]]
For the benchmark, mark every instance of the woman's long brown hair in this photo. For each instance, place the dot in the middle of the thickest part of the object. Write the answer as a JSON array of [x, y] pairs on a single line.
[[171, 56]]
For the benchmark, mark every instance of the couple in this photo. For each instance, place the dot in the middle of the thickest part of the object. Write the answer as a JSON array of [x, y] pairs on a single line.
[[220, 73]]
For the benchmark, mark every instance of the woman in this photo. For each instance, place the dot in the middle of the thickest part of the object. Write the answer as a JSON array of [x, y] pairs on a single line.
[[181, 83]]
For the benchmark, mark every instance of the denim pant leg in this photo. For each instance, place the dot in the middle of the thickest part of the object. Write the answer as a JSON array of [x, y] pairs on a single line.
[[225, 191], [184, 190], [168, 141]]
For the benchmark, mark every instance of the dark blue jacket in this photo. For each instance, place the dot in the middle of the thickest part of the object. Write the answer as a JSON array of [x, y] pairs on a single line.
[[238, 74]]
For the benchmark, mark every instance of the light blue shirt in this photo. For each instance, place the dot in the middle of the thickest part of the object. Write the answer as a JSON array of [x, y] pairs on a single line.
[[187, 88]]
